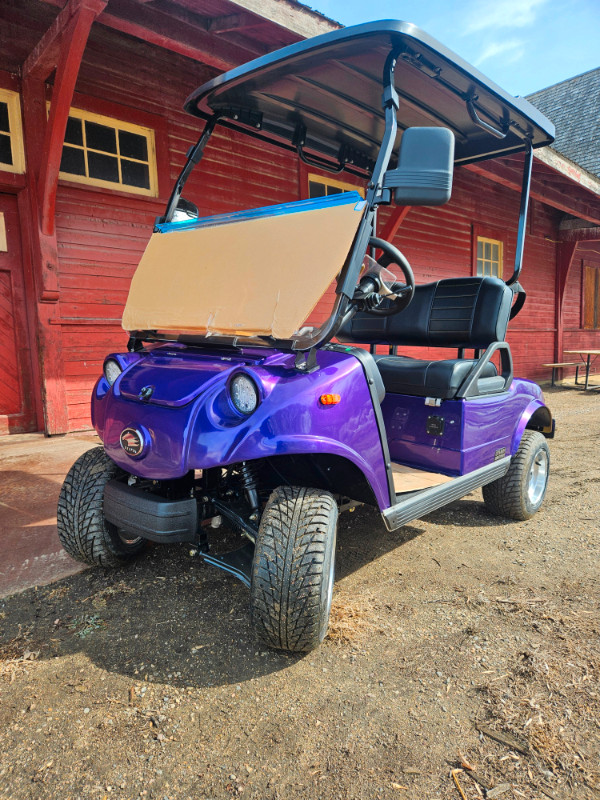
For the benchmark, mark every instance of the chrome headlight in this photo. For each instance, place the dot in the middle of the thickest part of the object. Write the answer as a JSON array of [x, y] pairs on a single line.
[[244, 394], [112, 370]]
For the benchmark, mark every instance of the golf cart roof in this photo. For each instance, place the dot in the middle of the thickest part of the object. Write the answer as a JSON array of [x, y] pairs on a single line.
[[325, 94]]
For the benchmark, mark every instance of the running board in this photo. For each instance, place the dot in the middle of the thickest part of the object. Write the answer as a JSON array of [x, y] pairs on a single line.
[[417, 504], [237, 562]]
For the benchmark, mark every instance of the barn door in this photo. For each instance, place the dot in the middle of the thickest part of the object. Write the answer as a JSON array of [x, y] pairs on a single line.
[[17, 412]]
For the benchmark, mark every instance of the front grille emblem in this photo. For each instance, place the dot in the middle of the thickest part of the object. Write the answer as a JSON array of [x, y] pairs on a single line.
[[132, 441]]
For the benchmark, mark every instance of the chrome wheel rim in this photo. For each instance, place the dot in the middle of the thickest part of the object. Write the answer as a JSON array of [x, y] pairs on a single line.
[[538, 476]]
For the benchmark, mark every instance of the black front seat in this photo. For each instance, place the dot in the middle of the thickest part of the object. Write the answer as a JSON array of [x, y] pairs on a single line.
[[457, 312]]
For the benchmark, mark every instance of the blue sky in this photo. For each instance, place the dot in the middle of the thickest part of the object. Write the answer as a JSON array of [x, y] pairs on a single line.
[[523, 45]]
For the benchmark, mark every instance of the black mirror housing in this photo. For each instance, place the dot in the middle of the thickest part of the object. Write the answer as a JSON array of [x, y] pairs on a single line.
[[425, 168]]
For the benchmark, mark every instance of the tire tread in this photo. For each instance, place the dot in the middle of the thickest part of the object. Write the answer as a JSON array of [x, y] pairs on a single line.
[[505, 497], [82, 529], [288, 570]]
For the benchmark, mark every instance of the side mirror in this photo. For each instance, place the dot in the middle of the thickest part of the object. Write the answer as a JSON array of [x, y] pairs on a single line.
[[185, 210], [423, 176]]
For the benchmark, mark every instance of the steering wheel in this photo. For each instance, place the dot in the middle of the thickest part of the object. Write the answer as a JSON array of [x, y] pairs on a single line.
[[397, 294]]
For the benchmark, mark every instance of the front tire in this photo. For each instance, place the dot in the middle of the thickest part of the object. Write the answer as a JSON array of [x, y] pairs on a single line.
[[82, 529], [293, 569], [520, 493]]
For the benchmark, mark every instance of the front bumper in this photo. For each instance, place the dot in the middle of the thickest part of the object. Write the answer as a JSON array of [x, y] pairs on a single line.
[[147, 515]]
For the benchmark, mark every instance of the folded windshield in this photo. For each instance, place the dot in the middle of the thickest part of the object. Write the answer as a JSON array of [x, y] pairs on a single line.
[[250, 273]]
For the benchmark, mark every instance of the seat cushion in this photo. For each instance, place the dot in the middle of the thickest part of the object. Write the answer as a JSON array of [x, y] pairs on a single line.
[[441, 379]]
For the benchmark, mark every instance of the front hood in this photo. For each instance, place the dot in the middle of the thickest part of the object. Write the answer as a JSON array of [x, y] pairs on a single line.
[[168, 377]]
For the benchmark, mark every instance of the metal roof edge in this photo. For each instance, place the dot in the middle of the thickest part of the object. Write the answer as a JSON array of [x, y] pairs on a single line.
[[556, 161]]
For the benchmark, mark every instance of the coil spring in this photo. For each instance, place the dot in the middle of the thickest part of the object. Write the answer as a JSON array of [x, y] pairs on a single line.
[[249, 474]]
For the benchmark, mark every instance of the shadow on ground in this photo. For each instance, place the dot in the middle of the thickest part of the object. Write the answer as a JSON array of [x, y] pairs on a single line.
[[168, 617]]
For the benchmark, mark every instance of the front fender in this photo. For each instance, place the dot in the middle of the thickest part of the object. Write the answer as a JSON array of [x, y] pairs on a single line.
[[290, 420]]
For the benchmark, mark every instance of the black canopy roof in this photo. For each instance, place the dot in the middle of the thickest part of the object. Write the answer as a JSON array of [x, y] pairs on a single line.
[[331, 87]]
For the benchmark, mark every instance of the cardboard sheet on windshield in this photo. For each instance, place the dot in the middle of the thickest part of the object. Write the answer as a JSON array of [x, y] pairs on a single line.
[[254, 273]]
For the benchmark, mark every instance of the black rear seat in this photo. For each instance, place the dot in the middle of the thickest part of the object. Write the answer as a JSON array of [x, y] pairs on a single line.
[[459, 312]]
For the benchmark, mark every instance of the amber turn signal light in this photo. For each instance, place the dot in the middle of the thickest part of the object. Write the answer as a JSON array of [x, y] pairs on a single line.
[[330, 399]]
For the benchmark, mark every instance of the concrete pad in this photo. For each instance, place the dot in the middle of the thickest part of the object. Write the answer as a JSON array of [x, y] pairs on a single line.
[[32, 469]]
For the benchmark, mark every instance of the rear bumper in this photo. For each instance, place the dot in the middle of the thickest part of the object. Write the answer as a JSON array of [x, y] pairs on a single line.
[[149, 516]]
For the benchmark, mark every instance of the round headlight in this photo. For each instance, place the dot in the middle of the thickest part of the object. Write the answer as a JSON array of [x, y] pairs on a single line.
[[112, 370], [244, 394]]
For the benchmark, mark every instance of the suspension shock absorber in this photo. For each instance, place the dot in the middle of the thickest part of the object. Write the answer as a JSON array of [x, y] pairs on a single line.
[[249, 474]]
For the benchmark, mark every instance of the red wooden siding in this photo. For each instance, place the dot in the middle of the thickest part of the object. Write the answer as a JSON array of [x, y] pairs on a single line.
[[575, 336], [16, 406], [101, 233]]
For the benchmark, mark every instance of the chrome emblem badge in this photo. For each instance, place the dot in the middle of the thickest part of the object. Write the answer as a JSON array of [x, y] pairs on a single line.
[[132, 441]]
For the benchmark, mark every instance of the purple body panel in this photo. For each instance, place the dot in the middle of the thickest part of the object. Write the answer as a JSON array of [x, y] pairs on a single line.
[[475, 430], [190, 422]]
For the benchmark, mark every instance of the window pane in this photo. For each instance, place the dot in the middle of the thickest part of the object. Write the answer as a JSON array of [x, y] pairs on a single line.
[[495, 253], [74, 134], [316, 189], [4, 125], [135, 174], [479, 248], [100, 137], [334, 190], [487, 250], [5, 150], [104, 167], [132, 145], [72, 161]]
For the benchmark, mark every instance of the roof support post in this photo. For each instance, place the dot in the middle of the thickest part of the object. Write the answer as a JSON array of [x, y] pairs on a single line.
[[61, 47], [73, 41], [525, 185]]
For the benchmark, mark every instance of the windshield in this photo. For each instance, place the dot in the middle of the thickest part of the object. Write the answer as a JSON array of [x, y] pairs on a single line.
[[250, 273]]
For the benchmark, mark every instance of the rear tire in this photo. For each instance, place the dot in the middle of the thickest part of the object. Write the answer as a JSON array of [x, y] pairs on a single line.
[[520, 493], [293, 568], [82, 529]]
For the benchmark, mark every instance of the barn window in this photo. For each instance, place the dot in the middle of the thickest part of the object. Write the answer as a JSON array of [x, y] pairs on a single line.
[[100, 151], [591, 297], [489, 257], [12, 158], [323, 187]]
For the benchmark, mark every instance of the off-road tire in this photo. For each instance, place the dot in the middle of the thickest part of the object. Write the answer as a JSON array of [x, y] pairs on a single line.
[[82, 529], [509, 496], [292, 571]]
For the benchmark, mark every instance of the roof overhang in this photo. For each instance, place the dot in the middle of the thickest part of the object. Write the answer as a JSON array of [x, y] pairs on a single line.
[[559, 163], [330, 88]]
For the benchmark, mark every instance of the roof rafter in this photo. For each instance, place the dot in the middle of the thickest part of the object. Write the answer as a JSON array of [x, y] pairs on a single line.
[[510, 177], [179, 31]]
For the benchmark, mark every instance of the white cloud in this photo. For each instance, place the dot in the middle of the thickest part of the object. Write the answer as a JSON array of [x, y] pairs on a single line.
[[512, 48], [501, 14]]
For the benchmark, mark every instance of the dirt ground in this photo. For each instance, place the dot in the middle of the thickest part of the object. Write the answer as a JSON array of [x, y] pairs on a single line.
[[461, 641]]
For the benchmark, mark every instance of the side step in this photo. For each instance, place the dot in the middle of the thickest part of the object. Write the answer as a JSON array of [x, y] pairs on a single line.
[[414, 505]]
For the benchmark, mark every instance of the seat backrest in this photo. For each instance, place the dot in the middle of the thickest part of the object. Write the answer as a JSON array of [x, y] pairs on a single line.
[[456, 312]]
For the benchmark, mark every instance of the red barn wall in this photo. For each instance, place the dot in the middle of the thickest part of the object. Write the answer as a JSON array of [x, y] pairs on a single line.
[[102, 233], [574, 334]]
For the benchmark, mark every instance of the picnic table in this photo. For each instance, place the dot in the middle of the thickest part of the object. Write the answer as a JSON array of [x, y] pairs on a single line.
[[588, 362]]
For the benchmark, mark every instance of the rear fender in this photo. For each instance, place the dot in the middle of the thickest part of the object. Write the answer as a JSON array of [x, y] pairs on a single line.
[[536, 416]]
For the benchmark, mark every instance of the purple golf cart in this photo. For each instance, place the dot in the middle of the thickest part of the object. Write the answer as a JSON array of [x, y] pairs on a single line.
[[228, 407]]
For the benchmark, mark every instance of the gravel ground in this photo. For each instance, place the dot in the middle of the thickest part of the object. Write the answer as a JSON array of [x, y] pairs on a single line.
[[461, 641]]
